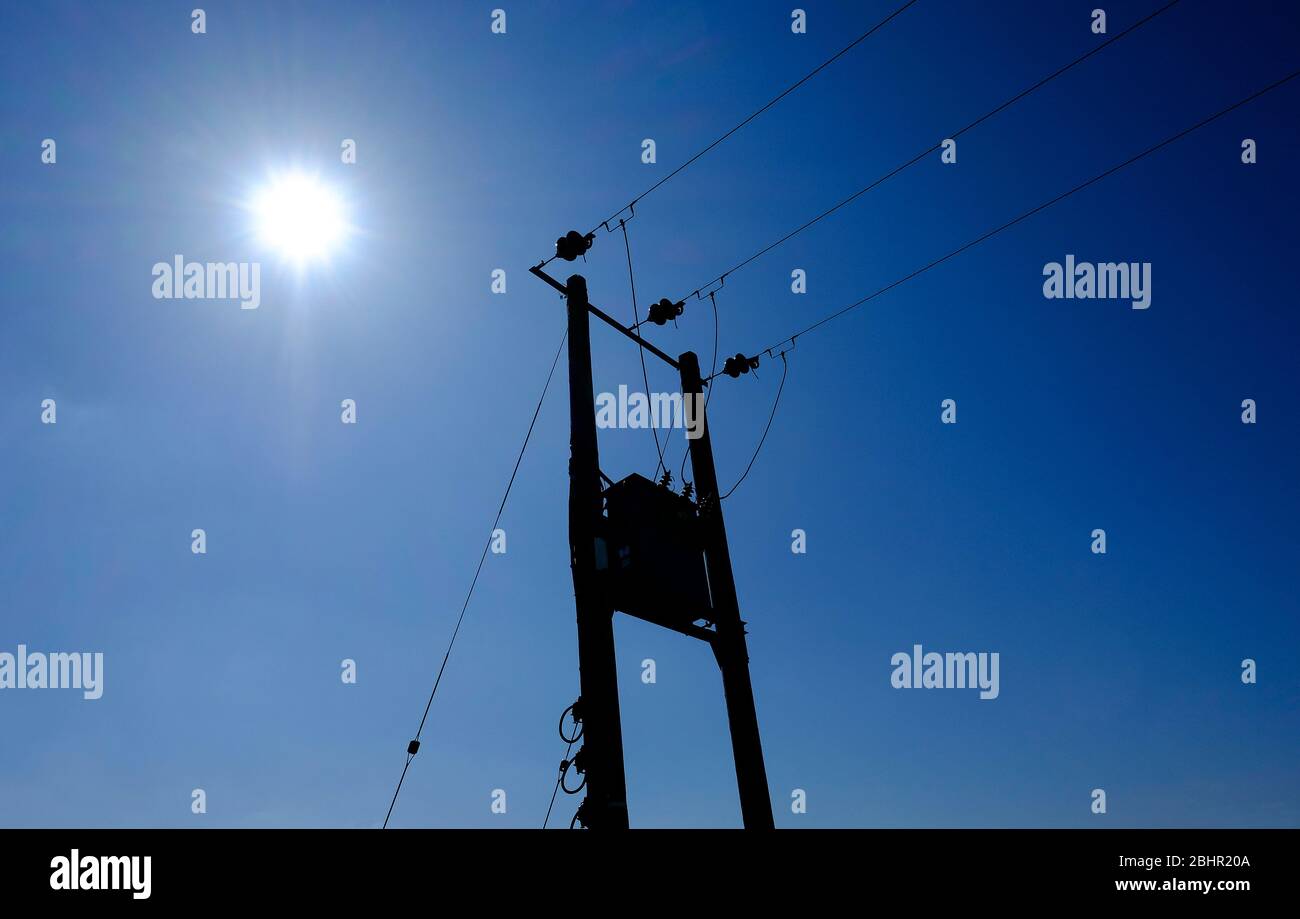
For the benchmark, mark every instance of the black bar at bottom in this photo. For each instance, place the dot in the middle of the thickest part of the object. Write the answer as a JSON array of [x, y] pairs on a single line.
[[486, 868]]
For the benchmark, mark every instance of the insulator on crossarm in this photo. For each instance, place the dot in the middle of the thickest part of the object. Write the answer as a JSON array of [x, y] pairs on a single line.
[[665, 310], [573, 244], [735, 366]]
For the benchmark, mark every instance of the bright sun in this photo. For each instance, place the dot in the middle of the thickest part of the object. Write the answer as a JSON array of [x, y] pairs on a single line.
[[299, 216]]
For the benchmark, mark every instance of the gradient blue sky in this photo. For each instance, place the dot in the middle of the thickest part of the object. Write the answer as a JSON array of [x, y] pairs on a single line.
[[474, 152]]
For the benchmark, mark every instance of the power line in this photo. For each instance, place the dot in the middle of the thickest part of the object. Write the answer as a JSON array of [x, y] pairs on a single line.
[[1061, 197], [414, 745], [845, 50], [929, 150], [636, 316], [785, 369], [556, 790]]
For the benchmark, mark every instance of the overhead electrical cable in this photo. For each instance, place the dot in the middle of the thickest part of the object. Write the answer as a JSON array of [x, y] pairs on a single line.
[[789, 89], [785, 369], [1029, 213], [929, 150], [414, 745], [636, 316]]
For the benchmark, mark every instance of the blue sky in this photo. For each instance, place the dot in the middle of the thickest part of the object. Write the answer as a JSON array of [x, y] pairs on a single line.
[[474, 151]]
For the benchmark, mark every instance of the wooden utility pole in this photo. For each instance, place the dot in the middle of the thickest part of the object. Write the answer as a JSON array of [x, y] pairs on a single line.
[[729, 639], [602, 752]]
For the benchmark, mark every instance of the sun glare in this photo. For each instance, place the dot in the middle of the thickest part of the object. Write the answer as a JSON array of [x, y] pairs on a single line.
[[300, 217]]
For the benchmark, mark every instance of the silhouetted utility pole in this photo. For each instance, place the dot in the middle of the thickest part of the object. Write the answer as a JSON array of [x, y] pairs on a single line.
[[602, 752], [729, 639], [638, 547]]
